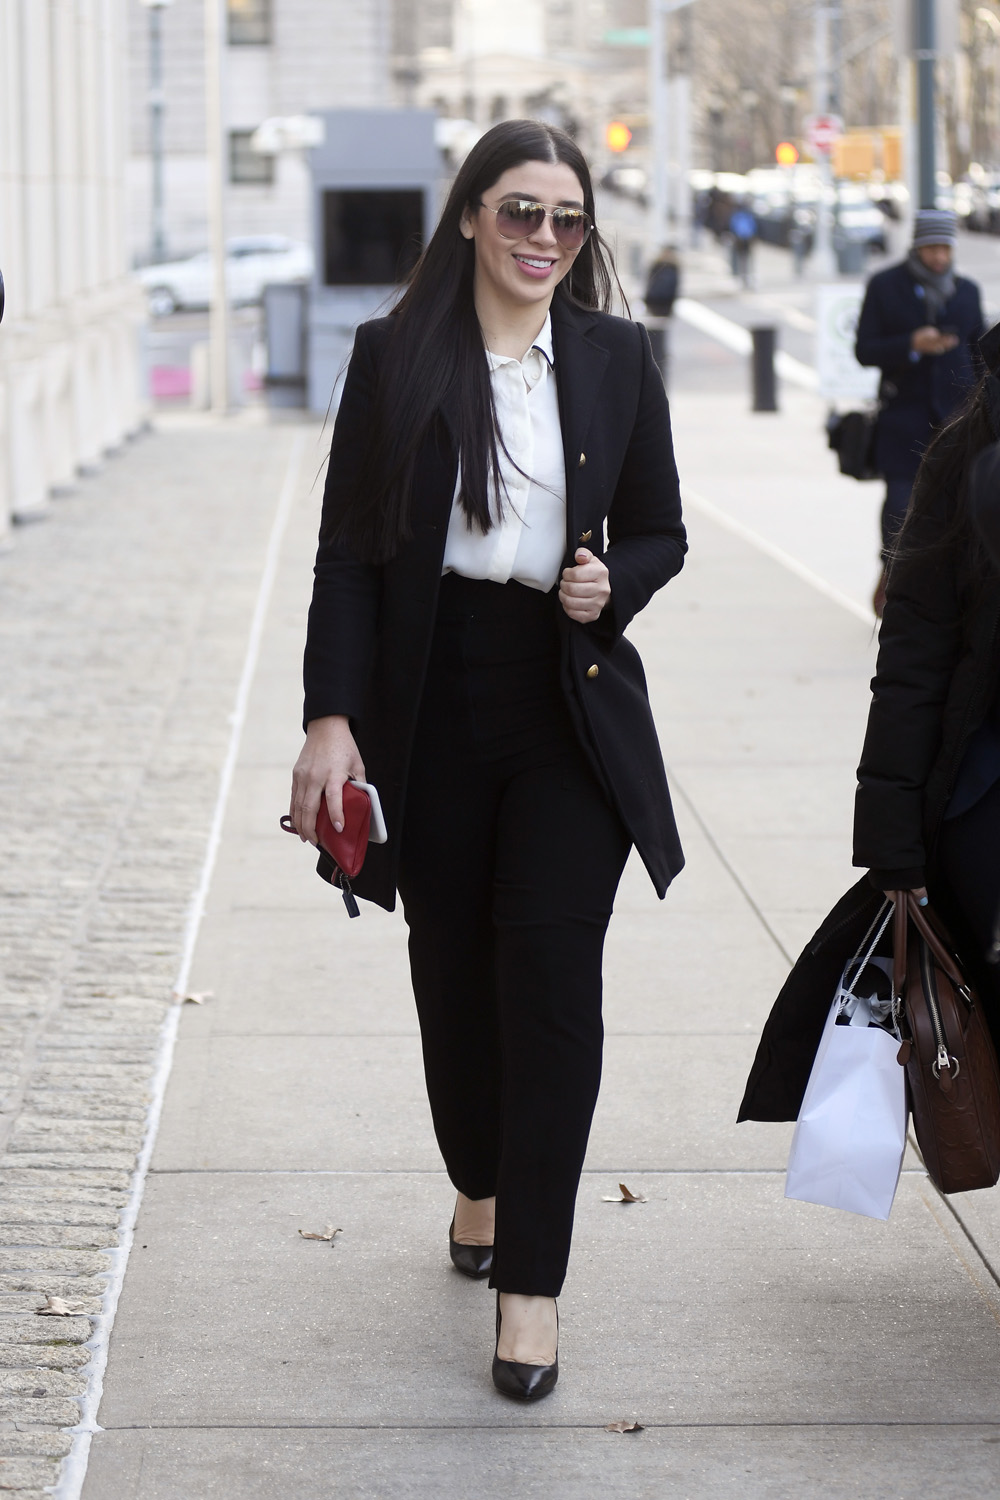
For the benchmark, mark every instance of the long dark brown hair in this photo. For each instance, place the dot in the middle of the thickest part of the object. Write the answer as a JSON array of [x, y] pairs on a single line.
[[942, 480], [436, 351]]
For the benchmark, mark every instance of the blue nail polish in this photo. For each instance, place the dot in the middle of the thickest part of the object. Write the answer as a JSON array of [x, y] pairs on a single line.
[[922, 901]]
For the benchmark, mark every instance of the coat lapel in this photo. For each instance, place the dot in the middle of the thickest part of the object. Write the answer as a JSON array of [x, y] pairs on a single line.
[[580, 363]]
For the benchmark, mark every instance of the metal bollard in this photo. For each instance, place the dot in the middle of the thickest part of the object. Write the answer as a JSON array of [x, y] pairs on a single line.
[[765, 389]]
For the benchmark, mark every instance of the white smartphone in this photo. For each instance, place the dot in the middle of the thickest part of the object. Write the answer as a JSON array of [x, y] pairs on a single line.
[[376, 833]]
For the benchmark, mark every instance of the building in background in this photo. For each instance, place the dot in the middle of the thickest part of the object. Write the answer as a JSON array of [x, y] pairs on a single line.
[[283, 58], [565, 61], [69, 346]]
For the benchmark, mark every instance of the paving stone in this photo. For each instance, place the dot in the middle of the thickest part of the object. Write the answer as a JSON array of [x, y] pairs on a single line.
[[53, 1213], [54, 1333], [52, 1283], [68, 1236], [14, 1303], [33, 1132], [86, 1179], [52, 1188], [40, 1382], [105, 1161], [54, 1411], [26, 1474], [87, 1105], [21, 1356], [44, 1444], [71, 1262]]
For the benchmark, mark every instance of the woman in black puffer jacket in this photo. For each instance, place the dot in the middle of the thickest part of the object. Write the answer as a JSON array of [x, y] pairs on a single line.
[[927, 815], [928, 802]]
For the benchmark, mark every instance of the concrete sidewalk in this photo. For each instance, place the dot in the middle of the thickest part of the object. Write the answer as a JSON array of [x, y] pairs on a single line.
[[768, 1348]]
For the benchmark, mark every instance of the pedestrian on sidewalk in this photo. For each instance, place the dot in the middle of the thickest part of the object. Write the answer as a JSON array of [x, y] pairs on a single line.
[[501, 501], [927, 813], [919, 324], [742, 234]]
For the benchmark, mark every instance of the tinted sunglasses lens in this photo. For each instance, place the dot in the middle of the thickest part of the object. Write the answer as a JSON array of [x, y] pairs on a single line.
[[571, 227], [517, 219]]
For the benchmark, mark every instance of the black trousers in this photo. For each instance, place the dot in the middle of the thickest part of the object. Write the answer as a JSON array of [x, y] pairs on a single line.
[[509, 863]]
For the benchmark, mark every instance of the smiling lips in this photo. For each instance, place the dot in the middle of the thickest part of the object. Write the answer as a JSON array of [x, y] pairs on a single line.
[[534, 266]]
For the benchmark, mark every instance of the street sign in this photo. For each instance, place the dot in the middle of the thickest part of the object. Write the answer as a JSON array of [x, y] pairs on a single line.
[[841, 378], [627, 36], [822, 130]]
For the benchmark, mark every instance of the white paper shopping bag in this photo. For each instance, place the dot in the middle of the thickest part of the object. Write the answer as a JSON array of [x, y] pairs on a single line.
[[847, 1150]]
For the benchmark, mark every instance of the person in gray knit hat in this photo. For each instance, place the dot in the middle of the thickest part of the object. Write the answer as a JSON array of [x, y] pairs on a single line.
[[919, 325]]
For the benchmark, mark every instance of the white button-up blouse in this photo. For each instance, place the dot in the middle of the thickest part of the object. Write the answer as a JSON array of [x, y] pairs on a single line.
[[528, 543]]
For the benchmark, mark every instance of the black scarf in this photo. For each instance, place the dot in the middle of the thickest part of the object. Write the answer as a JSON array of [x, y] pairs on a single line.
[[939, 286]]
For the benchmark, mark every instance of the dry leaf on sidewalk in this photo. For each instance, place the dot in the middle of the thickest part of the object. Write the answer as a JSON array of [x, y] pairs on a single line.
[[194, 997], [624, 1426], [625, 1195], [329, 1233], [57, 1307]]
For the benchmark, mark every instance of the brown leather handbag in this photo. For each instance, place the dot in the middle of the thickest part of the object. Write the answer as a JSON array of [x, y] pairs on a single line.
[[951, 1064]]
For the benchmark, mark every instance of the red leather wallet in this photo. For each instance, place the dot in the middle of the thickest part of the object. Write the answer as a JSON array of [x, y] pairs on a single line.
[[341, 855]]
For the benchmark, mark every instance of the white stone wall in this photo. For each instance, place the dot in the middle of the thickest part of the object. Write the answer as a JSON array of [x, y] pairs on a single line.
[[69, 343], [325, 54]]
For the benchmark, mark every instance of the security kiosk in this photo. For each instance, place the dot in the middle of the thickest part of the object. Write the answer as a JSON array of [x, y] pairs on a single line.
[[375, 187]]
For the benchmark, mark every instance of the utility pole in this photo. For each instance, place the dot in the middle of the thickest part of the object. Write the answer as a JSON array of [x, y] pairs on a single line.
[[925, 51], [157, 106], [823, 261], [659, 128], [218, 327], [664, 196]]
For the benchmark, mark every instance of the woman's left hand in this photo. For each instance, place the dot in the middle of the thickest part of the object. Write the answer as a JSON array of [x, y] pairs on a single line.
[[585, 589]]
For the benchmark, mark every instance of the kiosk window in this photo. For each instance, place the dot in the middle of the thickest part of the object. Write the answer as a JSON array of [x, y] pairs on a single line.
[[371, 237], [249, 22]]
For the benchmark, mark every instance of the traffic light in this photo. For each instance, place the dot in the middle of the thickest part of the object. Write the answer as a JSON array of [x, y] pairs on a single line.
[[618, 135], [786, 154]]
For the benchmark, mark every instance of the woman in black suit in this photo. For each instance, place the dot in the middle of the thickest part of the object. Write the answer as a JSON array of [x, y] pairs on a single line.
[[501, 501]]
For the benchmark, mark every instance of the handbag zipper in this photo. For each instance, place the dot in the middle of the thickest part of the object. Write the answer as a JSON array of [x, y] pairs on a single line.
[[929, 982]]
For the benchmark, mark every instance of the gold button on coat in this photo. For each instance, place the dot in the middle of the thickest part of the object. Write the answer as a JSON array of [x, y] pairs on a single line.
[[585, 536], [593, 671], [583, 460]]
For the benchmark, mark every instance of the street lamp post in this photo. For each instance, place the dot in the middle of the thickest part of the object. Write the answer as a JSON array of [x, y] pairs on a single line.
[[158, 235], [218, 323], [925, 51], [661, 198]]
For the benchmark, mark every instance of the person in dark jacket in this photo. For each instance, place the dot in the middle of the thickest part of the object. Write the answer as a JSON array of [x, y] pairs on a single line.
[[927, 814], [918, 324], [501, 501]]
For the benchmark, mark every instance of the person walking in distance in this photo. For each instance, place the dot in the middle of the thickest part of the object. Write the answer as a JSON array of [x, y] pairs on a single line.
[[501, 501], [742, 233], [919, 324]]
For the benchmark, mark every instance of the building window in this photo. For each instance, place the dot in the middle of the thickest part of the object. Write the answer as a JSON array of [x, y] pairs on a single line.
[[249, 22], [247, 165]]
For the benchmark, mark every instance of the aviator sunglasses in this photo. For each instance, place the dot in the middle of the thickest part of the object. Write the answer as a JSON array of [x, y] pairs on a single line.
[[519, 217]]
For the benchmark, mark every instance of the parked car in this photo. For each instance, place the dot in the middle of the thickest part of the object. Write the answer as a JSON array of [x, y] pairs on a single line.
[[252, 262], [627, 180]]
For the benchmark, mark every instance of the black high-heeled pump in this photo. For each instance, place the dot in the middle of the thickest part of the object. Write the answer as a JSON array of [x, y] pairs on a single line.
[[475, 1261], [523, 1382]]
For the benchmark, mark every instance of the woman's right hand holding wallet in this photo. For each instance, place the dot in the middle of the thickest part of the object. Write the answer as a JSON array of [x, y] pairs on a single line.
[[329, 757]]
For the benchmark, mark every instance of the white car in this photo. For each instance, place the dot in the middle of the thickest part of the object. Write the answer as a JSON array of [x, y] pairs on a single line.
[[252, 262]]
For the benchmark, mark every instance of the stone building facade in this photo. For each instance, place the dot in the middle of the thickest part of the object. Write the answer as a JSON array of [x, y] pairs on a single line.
[[282, 58], [69, 343]]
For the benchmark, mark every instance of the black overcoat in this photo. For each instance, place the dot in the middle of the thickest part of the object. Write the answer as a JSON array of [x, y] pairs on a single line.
[[370, 627], [915, 395], [937, 674]]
